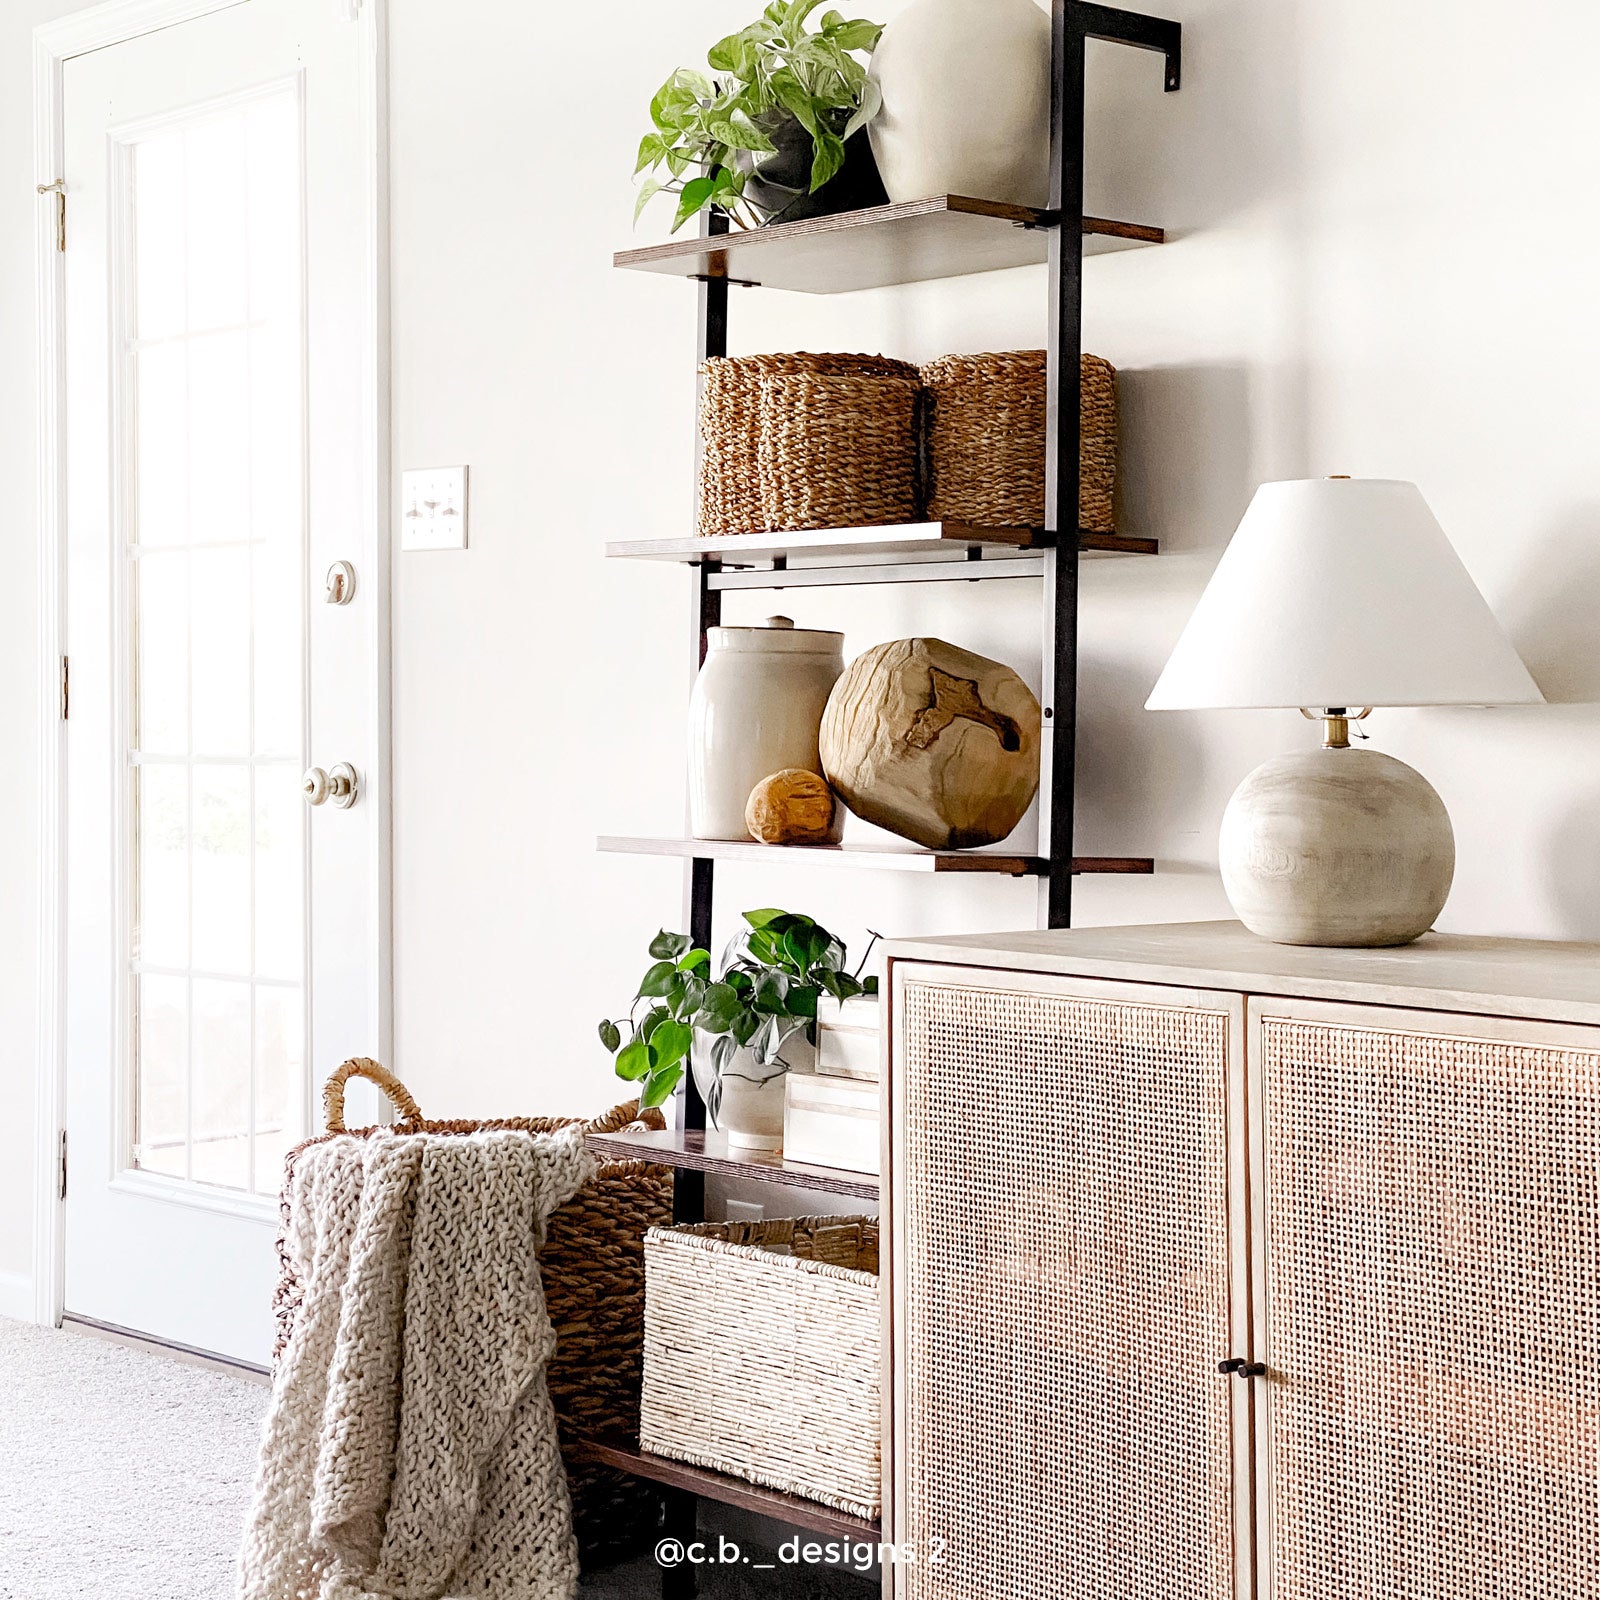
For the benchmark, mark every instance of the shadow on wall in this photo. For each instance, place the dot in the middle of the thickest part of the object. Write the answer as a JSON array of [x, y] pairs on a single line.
[[1126, 758], [1551, 612], [1185, 470], [1572, 868]]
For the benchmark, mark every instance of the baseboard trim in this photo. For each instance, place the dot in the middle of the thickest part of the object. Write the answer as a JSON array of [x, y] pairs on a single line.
[[16, 1296]]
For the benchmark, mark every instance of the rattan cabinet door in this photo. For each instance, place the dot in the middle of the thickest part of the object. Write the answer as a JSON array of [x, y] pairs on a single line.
[[1429, 1223], [1059, 1261]]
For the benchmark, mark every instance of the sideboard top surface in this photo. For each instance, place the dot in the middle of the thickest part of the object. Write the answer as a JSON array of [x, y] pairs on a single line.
[[1555, 981]]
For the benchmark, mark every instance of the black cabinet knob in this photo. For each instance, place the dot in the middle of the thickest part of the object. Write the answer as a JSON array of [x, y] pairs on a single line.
[[1232, 1364], [1243, 1368]]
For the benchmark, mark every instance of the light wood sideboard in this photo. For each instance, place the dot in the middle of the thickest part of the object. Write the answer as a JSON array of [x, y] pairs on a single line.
[[1233, 1271]]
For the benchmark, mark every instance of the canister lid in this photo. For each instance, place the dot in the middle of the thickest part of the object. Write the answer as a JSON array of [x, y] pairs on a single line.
[[777, 634]]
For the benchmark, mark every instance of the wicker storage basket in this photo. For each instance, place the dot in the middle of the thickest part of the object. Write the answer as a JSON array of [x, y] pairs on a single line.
[[806, 441], [985, 419], [762, 1354], [592, 1267]]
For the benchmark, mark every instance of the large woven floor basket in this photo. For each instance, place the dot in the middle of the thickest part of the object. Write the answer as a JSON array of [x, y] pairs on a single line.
[[984, 434], [762, 1354], [807, 441], [592, 1267]]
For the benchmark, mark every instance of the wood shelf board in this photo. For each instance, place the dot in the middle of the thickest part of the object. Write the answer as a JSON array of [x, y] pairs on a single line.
[[907, 541], [792, 1509], [886, 858], [708, 1152], [943, 236]]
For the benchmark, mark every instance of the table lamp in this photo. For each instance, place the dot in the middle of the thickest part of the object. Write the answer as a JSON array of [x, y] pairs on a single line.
[[1337, 596]]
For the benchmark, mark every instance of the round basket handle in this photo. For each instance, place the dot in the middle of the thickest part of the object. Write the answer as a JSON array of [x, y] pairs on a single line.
[[365, 1067], [627, 1115]]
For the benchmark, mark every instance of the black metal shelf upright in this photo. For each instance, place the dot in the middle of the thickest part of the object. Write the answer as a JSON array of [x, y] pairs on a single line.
[[1074, 23]]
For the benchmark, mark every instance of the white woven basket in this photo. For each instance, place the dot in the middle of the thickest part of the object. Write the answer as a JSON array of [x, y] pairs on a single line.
[[762, 1354]]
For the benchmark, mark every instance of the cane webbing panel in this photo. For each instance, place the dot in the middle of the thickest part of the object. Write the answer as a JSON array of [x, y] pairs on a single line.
[[1433, 1314], [1064, 1262]]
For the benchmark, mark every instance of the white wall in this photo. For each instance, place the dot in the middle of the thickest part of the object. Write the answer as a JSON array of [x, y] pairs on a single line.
[[1383, 259], [1384, 262]]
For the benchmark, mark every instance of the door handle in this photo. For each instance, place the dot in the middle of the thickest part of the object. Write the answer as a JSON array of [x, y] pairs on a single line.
[[1241, 1368], [338, 784]]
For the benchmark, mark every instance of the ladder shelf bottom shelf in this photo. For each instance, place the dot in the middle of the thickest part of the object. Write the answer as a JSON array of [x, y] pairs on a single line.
[[888, 857], [798, 1512]]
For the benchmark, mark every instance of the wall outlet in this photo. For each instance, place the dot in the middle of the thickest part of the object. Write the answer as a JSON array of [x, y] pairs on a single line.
[[433, 509], [745, 1210]]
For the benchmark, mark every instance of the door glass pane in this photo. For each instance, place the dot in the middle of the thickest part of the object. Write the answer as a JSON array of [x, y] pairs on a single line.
[[212, 341]]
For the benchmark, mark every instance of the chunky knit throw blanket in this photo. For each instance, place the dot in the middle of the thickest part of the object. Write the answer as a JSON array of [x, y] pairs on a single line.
[[410, 1448]]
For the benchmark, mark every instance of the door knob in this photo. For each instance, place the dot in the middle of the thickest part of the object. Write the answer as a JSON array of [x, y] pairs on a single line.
[[338, 784], [341, 584]]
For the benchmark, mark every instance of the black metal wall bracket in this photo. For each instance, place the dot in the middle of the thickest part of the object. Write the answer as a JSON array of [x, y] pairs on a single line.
[[1132, 28]]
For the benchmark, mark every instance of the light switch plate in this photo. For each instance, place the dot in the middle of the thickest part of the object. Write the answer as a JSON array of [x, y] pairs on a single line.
[[433, 509]]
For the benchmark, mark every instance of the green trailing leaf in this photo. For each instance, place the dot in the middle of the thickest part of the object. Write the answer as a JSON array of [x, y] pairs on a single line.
[[658, 1087], [669, 946], [633, 1060], [610, 1036], [871, 105], [670, 1043], [696, 193], [827, 156], [647, 192], [658, 979], [740, 133]]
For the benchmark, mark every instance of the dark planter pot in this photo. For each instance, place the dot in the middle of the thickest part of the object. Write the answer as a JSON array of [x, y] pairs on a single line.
[[778, 187]]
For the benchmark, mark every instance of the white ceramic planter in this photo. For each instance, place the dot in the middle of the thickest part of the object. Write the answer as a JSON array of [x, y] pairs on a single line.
[[751, 1111], [756, 708], [966, 101]]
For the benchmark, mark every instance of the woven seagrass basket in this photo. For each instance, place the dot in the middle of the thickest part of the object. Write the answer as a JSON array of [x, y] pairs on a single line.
[[592, 1267], [984, 430], [762, 1354], [806, 441]]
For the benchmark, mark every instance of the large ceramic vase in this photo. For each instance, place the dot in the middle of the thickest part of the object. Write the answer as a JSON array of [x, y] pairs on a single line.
[[966, 101], [755, 710], [750, 1106]]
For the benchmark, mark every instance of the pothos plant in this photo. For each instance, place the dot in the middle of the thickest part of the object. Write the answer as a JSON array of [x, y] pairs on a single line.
[[773, 974], [714, 136]]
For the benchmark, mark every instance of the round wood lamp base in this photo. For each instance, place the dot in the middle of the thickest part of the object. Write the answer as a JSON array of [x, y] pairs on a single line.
[[1337, 847]]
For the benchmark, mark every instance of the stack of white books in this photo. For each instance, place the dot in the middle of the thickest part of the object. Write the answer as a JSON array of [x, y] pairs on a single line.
[[830, 1116]]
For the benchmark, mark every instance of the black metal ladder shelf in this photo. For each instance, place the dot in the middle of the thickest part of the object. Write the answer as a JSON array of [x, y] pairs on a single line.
[[944, 236]]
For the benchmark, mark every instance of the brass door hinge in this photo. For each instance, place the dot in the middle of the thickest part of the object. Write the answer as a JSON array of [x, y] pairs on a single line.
[[66, 696], [59, 190]]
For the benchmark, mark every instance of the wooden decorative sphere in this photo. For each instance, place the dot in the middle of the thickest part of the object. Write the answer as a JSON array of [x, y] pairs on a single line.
[[793, 807], [933, 742]]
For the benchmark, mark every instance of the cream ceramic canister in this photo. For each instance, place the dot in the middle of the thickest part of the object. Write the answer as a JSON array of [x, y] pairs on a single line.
[[755, 710], [966, 101]]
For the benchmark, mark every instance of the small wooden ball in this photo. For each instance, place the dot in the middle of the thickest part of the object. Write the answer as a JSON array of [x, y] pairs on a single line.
[[793, 807]]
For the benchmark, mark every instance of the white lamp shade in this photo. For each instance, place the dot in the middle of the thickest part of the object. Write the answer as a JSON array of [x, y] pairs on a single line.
[[1341, 592]]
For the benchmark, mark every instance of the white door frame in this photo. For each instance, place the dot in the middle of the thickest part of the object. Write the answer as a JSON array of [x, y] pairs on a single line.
[[55, 43]]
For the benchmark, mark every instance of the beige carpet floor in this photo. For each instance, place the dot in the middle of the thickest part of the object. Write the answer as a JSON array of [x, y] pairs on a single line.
[[125, 1475]]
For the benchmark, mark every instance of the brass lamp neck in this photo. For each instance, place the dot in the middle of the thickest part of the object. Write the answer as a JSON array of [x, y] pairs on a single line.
[[1336, 722]]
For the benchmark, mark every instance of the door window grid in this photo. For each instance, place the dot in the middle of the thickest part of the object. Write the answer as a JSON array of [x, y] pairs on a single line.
[[217, 931]]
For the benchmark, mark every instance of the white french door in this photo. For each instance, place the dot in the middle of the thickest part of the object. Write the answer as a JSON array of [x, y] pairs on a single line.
[[224, 937]]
